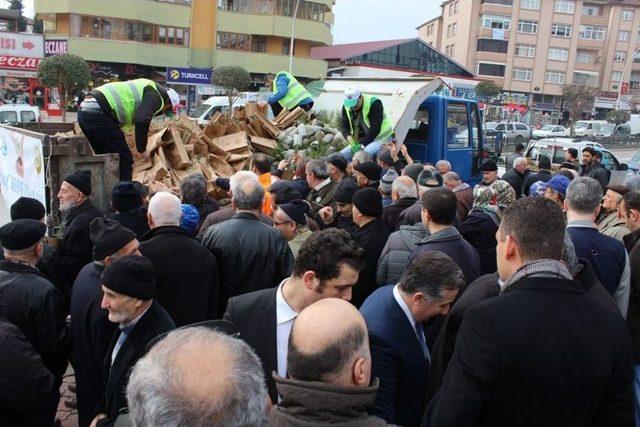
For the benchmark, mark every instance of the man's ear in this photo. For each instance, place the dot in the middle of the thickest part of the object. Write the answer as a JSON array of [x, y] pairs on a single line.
[[360, 377], [308, 279], [511, 248]]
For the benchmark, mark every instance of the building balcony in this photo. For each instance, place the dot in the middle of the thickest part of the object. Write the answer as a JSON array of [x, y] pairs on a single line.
[[591, 44], [491, 57], [594, 20], [488, 33], [593, 68], [273, 25], [260, 63], [151, 11], [493, 8], [156, 55]]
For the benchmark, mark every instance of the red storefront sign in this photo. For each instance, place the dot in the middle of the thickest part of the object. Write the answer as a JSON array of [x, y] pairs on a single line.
[[19, 62], [624, 88]]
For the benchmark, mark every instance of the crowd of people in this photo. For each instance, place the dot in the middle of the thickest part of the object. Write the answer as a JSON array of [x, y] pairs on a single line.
[[359, 291]]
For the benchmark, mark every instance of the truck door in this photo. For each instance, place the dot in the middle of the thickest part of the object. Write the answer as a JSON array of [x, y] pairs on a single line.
[[460, 144]]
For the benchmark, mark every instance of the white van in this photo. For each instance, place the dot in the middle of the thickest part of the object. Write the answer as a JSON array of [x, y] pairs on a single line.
[[19, 113], [634, 124], [555, 149], [210, 106], [588, 127]]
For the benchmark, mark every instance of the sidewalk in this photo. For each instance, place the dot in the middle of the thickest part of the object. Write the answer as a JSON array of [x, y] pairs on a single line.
[[68, 417]]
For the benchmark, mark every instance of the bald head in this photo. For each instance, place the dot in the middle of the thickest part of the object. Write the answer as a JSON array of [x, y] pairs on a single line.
[[199, 377], [404, 187], [321, 349]]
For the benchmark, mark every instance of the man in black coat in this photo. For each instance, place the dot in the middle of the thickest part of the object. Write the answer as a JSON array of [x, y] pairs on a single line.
[[91, 329], [186, 272], [544, 174], [74, 249], [404, 194], [126, 200], [26, 385], [30, 301], [520, 358], [327, 267], [593, 169], [250, 254], [517, 175], [128, 286], [371, 235]]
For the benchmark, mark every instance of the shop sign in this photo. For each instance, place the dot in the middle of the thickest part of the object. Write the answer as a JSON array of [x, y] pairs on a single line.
[[19, 62], [466, 93], [607, 95], [19, 74], [22, 45], [189, 76], [114, 70], [55, 47], [514, 98]]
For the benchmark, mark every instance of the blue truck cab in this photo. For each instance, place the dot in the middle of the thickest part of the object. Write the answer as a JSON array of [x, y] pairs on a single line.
[[448, 128]]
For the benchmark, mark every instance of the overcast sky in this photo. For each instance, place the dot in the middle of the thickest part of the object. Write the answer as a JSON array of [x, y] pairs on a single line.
[[362, 20], [367, 20]]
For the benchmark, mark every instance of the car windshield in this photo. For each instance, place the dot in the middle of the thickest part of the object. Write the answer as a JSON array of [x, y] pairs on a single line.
[[548, 128], [608, 128], [636, 158], [200, 110], [490, 125], [581, 124]]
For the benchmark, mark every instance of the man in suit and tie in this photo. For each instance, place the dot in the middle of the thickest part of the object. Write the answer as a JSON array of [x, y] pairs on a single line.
[[128, 285], [327, 266], [395, 315]]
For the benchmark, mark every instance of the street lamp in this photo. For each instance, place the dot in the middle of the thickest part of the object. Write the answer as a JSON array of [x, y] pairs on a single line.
[[293, 29], [624, 70]]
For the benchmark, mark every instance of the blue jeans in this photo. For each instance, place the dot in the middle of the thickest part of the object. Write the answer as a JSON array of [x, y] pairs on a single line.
[[636, 389], [372, 149]]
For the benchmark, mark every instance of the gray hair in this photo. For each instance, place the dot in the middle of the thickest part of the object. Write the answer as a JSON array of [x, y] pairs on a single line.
[[451, 176], [194, 188], [318, 167], [443, 163], [584, 195], [246, 191], [361, 157], [569, 256], [158, 396], [404, 190], [165, 209], [520, 161]]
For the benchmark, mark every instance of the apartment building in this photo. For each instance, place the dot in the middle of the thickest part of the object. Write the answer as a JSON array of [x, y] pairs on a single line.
[[130, 38], [536, 46]]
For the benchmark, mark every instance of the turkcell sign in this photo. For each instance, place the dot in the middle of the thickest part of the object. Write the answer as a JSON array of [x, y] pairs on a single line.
[[189, 76]]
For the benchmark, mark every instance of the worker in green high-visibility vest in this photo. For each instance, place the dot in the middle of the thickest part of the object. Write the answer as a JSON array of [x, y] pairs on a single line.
[[288, 93], [113, 106], [364, 123]]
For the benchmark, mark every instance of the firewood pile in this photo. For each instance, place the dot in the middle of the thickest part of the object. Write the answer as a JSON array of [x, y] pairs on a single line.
[[179, 148]]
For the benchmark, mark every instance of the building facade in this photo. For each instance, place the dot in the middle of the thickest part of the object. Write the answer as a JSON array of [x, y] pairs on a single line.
[[129, 38], [531, 48]]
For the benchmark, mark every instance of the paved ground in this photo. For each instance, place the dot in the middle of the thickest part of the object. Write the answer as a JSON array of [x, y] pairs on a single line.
[[67, 417]]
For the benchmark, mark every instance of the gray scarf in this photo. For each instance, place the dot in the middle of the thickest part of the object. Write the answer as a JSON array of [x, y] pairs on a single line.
[[549, 268]]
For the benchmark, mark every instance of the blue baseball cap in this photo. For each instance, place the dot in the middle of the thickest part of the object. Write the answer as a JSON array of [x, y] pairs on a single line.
[[559, 184]]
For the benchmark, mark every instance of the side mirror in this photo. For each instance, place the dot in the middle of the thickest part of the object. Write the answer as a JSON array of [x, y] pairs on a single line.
[[623, 167]]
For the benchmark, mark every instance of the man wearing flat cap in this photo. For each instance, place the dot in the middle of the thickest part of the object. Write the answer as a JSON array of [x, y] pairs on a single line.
[[611, 224], [340, 213], [489, 171], [367, 174], [371, 235], [337, 165], [129, 288], [91, 329], [30, 301], [291, 219], [74, 250]]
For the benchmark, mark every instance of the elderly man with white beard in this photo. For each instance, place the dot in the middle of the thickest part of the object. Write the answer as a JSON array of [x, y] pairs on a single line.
[[74, 250]]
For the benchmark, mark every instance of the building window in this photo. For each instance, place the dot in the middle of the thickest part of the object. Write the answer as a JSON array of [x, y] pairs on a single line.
[[616, 76], [498, 22], [585, 79], [561, 30], [233, 41], [558, 54], [286, 47], [530, 4], [500, 2], [554, 77], [626, 15], [452, 50], [173, 35], [488, 69], [491, 45], [624, 36], [592, 32], [584, 56], [565, 6], [529, 27], [619, 56], [112, 29], [526, 50], [455, 7], [452, 29], [591, 10], [258, 44], [522, 74], [306, 9]]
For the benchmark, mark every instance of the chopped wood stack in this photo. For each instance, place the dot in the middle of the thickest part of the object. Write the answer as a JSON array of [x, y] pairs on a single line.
[[179, 148]]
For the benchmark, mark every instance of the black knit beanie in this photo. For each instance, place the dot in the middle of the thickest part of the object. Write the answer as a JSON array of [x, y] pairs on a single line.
[[81, 180], [368, 201], [131, 275]]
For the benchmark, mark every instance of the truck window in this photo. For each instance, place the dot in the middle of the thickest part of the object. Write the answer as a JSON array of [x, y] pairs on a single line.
[[477, 144], [559, 156], [8, 117], [521, 127], [28, 116], [500, 127], [533, 153], [609, 161], [420, 129], [457, 126]]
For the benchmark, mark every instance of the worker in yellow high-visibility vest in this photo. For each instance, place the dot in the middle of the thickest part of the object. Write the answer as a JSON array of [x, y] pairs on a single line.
[[113, 106], [288, 93], [364, 123]]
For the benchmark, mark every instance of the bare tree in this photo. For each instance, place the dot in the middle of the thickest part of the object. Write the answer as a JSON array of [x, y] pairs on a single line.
[[578, 98]]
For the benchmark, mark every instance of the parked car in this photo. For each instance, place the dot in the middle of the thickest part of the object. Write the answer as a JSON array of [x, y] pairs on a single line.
[[551, 131], [588, 127], [634, 162], [556, 149], [514, 130], [611, 130], [19, 113]]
